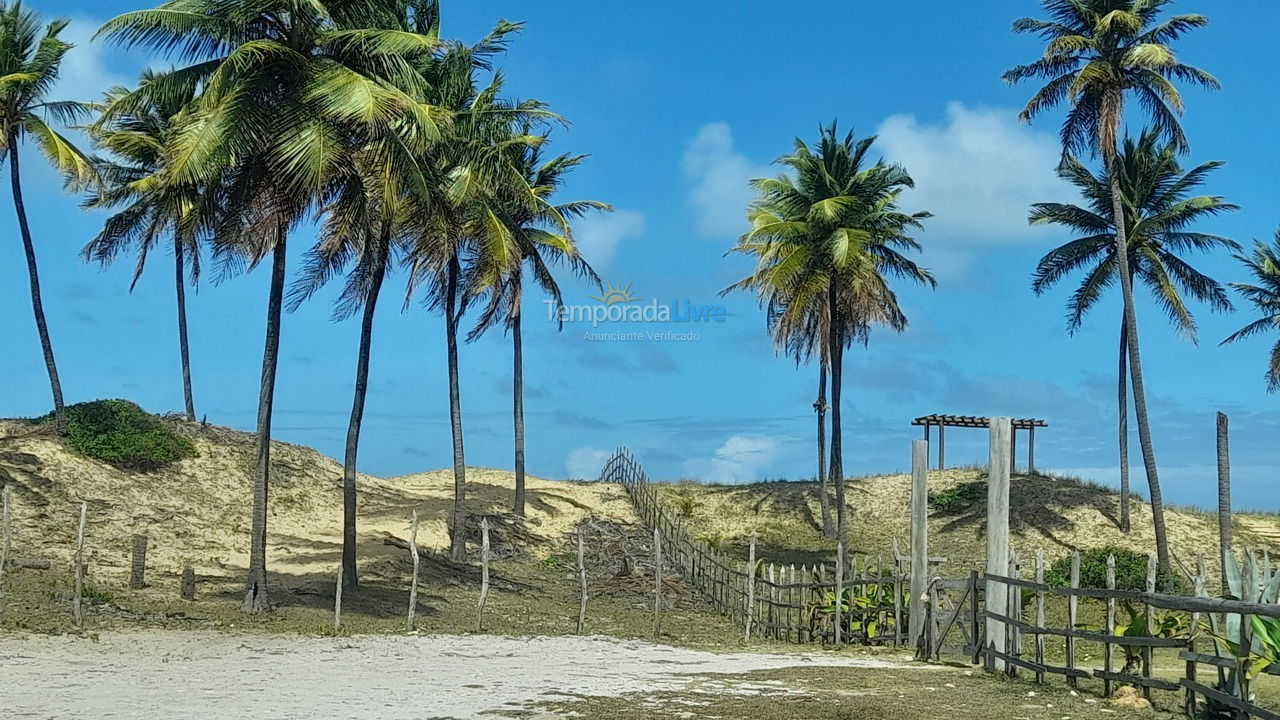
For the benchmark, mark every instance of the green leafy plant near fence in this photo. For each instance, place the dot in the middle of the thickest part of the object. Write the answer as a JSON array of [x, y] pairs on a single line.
[[866, 611], [123, 434], [1163, 625]]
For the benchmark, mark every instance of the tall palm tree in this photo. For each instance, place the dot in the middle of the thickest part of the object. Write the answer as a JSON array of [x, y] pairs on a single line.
[[825, 241], [543, 238], [135, 131], [1156, 192], [457, 225], [281, 82], [1097, 53], [1264, 264], [29, 63]]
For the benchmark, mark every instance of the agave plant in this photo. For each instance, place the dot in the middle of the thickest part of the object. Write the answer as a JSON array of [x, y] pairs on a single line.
[[1255, 645], [1161, 625]]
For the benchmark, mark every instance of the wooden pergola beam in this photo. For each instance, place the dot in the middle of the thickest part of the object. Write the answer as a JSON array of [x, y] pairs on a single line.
[[975, 421]]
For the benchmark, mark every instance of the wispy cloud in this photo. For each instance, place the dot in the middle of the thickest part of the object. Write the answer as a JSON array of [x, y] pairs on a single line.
[[720, 177], [585, 463], [599, 235], [740, 459]]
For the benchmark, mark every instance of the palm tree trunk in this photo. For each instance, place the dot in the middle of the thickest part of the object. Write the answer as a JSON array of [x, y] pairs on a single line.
[[33, 275], [183, 347], [458, 534], [255, 595], [350, 579], [828, 530], [1135, 370], [517, 374], [1124, 426], [1224, 498], [837, 452]]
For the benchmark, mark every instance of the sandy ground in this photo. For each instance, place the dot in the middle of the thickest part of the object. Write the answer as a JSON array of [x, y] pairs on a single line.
[[214, 675]]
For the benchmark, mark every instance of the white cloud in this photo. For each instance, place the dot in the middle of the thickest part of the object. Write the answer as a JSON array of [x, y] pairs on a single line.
[[720, 176], [86, 70], [599, 234], [739, 460], [978, 173], [585, 463]]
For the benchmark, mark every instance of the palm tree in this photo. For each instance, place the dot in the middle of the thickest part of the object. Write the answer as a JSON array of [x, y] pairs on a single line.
[[136, 130], [1156, 192], [281, 81], [1264, 264], [29, 65], [457, 225], [824, 242], [542, 237], [1097, 53]]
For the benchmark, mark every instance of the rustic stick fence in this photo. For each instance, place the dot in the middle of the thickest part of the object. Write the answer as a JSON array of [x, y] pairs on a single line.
[[767, 600]]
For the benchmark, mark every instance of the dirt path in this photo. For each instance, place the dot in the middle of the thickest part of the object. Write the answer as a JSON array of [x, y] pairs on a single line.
[[214, 675]]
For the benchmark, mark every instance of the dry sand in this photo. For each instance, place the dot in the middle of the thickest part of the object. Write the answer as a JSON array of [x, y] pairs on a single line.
[[213, 675]]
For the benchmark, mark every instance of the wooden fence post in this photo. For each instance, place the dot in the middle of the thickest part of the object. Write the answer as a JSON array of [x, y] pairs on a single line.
[[657, 582], [77, 610], [1111, 623], [337, 602], [1013, 638], [839, 587], [1073, 608], [188, 589], [751, 585], [484, 573], [413, 582], [1224, 500], [1149, 613], [582, 583], [1039, 638], [919, 539], [138, 567], [6, 497], [997, 533]]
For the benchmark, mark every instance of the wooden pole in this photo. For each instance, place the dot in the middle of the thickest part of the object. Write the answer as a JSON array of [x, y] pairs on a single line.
[[77, 610], [1039, 639], [751, 585], [1073, 607], [1111, 624], [919, 539], [582, 585], [1224, 500], [188, 590], [942, 447], [138, 567], [337, 602], [839, 588], [1013, 449], [1149, 613], [1031, 450], [6, 499], [997, 533], [657, 582], [484, 573], [413, 582]]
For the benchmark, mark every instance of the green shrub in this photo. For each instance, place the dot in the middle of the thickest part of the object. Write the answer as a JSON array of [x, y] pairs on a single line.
[[961, 498], [1131, 571], [123, 434]]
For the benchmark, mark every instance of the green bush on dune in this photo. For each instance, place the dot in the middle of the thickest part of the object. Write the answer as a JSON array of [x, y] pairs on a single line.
[[123, 434], [1131, 570]]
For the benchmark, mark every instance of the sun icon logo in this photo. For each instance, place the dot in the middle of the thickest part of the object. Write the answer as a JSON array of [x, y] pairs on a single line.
[[614, 295]]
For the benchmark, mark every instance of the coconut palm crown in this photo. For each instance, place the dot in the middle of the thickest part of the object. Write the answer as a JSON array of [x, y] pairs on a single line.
[[1264, 265]]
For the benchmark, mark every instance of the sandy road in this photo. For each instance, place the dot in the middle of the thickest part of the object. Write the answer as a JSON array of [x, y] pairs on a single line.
[[159, 674]]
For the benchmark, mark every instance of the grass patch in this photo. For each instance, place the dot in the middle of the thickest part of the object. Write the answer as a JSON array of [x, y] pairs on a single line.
[[123, 434], [959, 498]]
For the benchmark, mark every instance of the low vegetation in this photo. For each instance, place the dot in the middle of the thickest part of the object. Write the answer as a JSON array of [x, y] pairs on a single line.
[[123, 434]]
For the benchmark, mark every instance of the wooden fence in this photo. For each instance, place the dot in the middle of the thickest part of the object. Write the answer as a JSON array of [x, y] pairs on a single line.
[[783, 602]]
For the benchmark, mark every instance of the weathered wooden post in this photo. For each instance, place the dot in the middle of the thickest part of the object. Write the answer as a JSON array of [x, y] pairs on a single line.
[[1031, 450], [138, 567], [1039, 638], [839, 628], [77, 610], [1073, 614], [1110, 626], [188, 589], [751, 585], [484, 573], [657, 582], [413, 583], [337, 602], [997, 534], [582, 585], [6, 497], [919, 540], [942, 447]]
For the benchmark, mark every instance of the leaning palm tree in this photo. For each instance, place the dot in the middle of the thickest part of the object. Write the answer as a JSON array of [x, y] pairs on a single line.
[[136, 131], [29, 63], [1157, 193], [282, 82], [541, 234], [1264, 264], [825, 242], [1099, 52]]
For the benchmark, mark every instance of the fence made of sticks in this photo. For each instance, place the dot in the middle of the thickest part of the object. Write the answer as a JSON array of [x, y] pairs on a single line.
[[786, 602]]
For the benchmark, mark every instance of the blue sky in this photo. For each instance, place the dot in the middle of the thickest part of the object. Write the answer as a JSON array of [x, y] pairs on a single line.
[[678, 111]]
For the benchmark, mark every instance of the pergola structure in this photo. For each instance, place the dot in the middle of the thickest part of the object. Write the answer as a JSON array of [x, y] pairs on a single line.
[[970, 421]]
